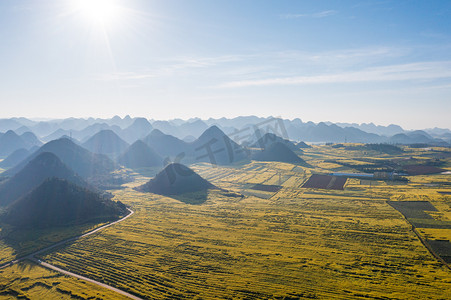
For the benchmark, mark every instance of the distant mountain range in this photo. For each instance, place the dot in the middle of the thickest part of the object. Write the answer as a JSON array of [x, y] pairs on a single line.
[[83, 162], [16, 133], [105, 144], [71, 156]]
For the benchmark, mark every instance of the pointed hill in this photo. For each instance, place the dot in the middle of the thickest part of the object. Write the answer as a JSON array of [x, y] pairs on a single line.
[[44, 166], [176, 179], [8, 124], [278, 152], [140, 128], [58, 202], [140, 155], [59, 133], [10, 142], [165, 144], [21, 130], [167, 127], [195, 128], [84, 134], [215, 147], [106, 142], [83, 162], [30, 139], [15, 158], [270, 138]]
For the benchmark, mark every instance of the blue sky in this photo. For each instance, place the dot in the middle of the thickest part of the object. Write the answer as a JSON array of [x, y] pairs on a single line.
[[342, 61]]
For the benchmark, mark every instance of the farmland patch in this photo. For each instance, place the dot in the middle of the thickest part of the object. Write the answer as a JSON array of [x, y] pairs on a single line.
[[413, 209], [325, 182]]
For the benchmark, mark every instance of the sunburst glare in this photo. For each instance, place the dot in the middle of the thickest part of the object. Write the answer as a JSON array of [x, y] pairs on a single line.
[[100, 12]]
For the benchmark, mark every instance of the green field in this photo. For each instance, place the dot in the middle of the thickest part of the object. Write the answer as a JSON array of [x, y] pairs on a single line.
[[291, 244]]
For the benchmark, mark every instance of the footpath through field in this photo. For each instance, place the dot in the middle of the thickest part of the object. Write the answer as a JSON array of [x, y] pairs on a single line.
[[52, 267]]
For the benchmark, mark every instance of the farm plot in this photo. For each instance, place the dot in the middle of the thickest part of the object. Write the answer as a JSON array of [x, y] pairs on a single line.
[[321, 245], [317, 181], [442, 248], [422, 170], [295, 244], [413, 209], [266, 188]]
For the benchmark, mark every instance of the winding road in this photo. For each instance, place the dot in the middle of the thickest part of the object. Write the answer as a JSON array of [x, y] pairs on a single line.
[[55, 268]]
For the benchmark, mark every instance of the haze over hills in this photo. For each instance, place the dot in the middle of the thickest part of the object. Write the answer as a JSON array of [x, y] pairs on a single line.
[[140, 155], [216, 147], [57, 202], [296, 130], [83, 162], [140, 128], [11, 141], [106, 142], [131, 129], [180, 128], [165, 144], [43, 166], [14, 158]]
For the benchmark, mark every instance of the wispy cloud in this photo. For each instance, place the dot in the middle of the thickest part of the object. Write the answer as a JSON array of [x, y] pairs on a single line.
[[321, 14], [122, 76], [413, 71], [171, 67]]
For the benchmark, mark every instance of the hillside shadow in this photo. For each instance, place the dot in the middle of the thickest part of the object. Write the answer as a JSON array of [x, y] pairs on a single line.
[[26, 241], [26, 266], [304, 164], [195, 198], [147, 172]]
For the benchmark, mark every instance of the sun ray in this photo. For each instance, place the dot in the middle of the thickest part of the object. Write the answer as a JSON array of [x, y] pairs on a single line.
[[104, 12]]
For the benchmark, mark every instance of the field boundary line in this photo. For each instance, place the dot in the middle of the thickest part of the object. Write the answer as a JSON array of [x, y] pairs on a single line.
[[423, 241], [32, 258]]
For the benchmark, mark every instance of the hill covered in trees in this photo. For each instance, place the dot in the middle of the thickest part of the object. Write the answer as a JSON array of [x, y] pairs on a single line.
[[42, 167], [58, 202], [176, 179]]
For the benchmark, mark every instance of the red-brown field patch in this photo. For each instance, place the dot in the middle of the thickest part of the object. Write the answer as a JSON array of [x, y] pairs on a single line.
[[422, 170], [325, 182]]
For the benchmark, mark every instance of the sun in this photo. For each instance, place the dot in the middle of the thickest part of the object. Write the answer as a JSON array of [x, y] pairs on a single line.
[[104, 12]]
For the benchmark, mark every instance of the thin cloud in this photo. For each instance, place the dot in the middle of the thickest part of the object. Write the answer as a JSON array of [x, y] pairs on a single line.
[[321, 14], [173, 67], [124, 76], [414, 71]]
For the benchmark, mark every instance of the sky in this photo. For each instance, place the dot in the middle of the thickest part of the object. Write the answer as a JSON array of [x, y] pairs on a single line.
[[386, 62]]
